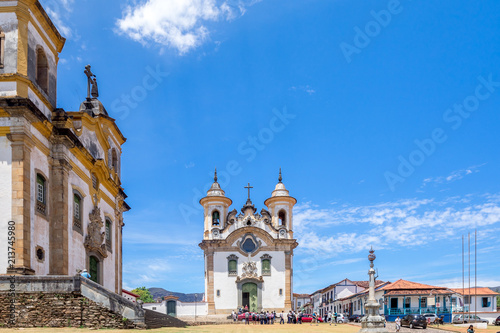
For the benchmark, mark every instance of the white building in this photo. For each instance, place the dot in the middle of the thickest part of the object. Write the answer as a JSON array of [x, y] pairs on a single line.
[[477, 299], [301, 302], [324, 299], [248, 256], [355, 303], [60, 188], [173, 307]]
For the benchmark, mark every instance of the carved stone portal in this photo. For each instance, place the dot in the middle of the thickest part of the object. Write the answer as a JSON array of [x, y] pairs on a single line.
[[94, 240]]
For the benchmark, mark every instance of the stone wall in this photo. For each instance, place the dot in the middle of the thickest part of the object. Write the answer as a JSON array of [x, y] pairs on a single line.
[[59, 310]]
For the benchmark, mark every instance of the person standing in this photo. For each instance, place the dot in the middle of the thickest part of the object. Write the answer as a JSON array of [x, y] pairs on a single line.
[[398, 324], [85, 274], [247, 315], [335, 318], [282, 320]]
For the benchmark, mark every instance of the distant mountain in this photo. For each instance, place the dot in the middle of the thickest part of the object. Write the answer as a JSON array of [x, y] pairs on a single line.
[[497, 289], [160, 293]]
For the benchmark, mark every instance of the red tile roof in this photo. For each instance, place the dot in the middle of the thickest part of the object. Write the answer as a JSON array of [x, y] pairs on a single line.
[[408, 285], [472, 291], [130, 293], [418, 292]]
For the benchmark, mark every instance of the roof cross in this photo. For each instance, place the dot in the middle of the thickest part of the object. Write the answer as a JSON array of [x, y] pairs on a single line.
[[248, 187]]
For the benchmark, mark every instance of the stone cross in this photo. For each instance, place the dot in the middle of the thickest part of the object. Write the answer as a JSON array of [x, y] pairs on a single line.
[[248, 187]]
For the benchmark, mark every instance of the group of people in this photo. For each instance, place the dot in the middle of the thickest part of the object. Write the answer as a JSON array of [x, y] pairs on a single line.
[[270, 317]]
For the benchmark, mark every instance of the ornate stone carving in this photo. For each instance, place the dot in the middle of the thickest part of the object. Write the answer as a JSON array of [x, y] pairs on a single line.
[[249, 270], [231, 216], [94, 240]]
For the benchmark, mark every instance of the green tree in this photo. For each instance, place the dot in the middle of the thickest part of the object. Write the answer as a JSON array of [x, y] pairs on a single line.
[[144, 294]]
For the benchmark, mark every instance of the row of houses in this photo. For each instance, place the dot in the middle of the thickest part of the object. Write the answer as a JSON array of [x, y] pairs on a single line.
[[398, 299]]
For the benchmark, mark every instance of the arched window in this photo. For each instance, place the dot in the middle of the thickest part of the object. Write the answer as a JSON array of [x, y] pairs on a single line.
[[282, 217], [77, 212], [42, 70], [108, 233], [114, 160], [41, 194], [215, 217]]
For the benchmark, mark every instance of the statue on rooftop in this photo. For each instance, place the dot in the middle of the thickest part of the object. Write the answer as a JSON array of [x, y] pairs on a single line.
[[91, 81]]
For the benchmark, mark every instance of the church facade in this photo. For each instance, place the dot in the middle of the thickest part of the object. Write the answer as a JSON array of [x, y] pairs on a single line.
[[61, 198], [248, 255]]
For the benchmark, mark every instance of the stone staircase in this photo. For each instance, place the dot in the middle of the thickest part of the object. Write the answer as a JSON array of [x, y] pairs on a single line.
[[155, 319]]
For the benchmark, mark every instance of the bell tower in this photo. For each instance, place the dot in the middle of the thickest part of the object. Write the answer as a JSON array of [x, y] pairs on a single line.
[[29, 52], [280, 206], [215, 208]]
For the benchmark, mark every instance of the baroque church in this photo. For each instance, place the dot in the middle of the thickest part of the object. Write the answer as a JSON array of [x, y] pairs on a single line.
[[60, 183], [248, 255]]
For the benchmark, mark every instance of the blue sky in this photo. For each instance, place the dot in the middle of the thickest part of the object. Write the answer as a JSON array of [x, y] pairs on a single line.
[[383, 115]]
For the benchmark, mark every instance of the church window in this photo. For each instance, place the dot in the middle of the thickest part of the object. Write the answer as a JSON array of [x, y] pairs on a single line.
[[2, 48], [108, 234], [281, 292], [218, 292], [248, 245], [232, 265], [282, 217], [40, 254], [215, 217], [114, 160], [94, 269], [266, 264], [95, 182], [42, 70], [41, 194], [77, 212]]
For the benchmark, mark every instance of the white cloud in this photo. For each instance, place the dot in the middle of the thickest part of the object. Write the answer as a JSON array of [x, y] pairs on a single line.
[[454, 176], [179, 24], [405, 223], [58, 11], [308, 89]]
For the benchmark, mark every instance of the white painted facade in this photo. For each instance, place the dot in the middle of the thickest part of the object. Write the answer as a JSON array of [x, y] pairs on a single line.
[[5, 197], [182, 309], [248, 256], [271, 298], [67, 149]]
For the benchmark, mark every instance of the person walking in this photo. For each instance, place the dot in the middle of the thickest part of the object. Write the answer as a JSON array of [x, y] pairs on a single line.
[[335, 318], [398, 324]]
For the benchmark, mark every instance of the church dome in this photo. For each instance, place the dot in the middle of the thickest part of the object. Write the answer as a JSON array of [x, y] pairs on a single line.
[[280, 189], [215, 190]]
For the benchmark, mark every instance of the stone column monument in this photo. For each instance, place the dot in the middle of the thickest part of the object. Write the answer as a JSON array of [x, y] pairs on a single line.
[[372, 322]]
